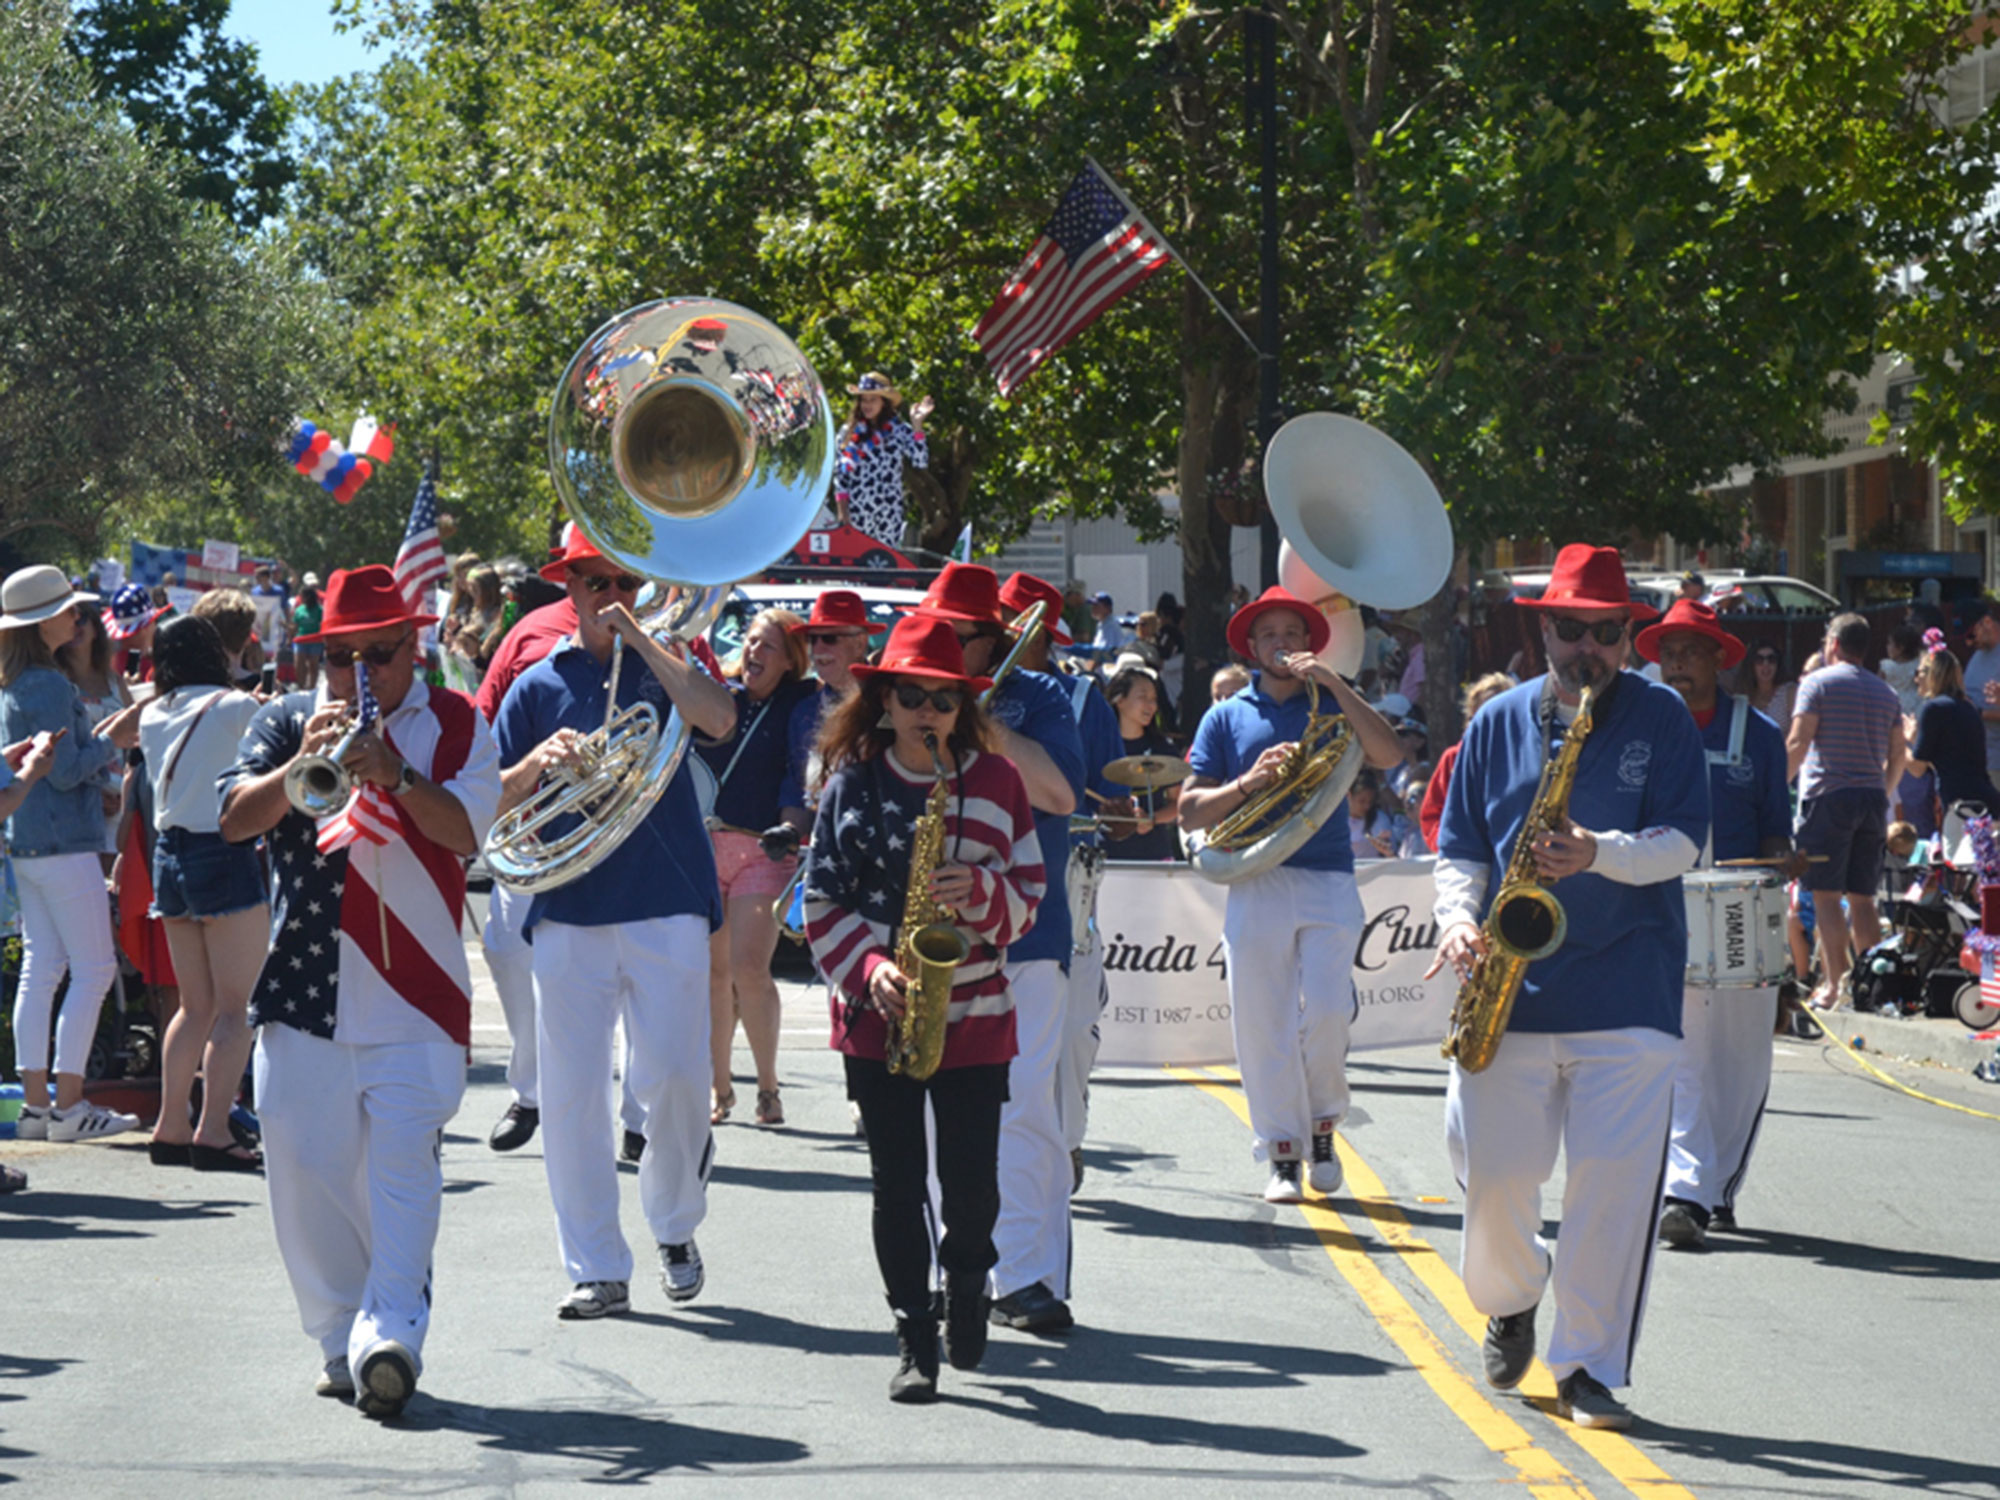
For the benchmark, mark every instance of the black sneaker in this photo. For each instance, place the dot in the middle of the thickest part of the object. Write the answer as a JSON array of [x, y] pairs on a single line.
[[1588, 1403], [634, 1146], [1722, 1217], [1683, 1226], [915, 1380], [516, 1127], [965, 1315], [1509, 1349], [1033, 1309]]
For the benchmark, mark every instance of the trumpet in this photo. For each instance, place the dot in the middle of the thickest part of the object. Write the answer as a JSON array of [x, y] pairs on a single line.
[[320, 785]]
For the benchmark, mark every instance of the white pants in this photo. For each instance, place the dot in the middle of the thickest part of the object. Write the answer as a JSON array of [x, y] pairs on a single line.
[[1079, 1043], [351, 1142], [1720, 1083], [512, 963], [65, 925], [1605, 1099], [1032, 1235], [654, 976], [1289, 937]]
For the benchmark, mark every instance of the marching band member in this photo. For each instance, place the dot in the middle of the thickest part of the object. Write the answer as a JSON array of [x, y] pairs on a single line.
[[881, 779], [836, 638], [364, 1003], [628, 939], [1289, 934], [1034, 728], [1586, 1067], [1097, 730], [751, 768], [1724, 1072]]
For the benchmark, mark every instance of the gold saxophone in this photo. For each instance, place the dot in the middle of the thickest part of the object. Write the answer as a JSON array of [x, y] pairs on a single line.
[[1524, 922], [930, 947]]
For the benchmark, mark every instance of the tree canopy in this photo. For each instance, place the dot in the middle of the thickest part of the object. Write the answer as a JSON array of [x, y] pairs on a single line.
[[146, 349]]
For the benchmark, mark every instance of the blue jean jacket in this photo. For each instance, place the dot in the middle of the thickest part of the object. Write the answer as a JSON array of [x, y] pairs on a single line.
[[63, 812]]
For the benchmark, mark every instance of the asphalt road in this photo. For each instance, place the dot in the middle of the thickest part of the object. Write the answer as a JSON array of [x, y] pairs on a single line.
[[1842, 1345]]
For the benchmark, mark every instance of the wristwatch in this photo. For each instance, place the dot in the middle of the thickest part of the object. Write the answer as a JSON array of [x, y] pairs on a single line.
[[405, 781]]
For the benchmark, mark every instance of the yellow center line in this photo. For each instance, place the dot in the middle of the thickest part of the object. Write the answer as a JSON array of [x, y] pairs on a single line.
[[1542, 1472], [1618, 1456]]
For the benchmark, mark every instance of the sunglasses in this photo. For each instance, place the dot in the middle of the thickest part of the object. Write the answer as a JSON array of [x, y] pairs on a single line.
[[1604, 632], [1765, 659], [595, 583], [342, 657], [829, 637], [944, 700]]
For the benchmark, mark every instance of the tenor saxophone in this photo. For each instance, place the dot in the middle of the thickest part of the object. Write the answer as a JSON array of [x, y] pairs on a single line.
[[930, 947], [1524, 923]]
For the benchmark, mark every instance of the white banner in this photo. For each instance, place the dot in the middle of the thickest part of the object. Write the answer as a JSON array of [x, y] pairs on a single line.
[[1167, 978], [224, 557]]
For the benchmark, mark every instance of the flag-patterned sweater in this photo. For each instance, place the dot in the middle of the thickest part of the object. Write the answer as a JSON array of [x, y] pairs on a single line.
[[858, 873]]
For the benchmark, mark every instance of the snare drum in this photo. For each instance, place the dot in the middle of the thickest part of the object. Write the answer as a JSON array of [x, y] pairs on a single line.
[[1736, 929]]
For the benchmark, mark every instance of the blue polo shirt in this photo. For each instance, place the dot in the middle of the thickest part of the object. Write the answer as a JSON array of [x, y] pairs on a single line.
[[1748, 797], [665, 868], [1103, 741], [1035, 705], [1624, 959], [753, 765], [801, 734], [1234, 732]]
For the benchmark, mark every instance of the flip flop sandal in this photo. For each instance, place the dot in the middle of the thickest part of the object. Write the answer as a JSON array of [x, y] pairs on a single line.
[[724, 1103], [769, 1110]]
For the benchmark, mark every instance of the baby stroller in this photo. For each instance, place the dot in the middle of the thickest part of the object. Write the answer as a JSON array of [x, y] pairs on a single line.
[[1914, 971]]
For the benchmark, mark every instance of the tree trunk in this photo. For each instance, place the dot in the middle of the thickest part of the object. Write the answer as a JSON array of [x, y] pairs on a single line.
[[1440, 703], [939, 494], [1215, 405]]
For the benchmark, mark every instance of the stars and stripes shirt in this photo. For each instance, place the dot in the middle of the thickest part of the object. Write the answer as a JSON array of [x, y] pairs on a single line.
[[858, 873], [327, 972]]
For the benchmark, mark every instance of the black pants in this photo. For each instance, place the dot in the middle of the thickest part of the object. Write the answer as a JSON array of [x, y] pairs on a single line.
[[966, 1103]]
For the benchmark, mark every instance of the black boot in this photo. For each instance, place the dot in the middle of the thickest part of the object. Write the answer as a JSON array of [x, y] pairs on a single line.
[[915, 1380], [966, 1310]]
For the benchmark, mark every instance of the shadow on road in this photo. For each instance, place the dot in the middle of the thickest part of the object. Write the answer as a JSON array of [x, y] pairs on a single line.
[[620, 1447], [1230, 1227], [1046, 1409], [1110, 1356], [1847, 1256], [1822, 1464], [98, 1216], [790, 1179], [22, 1367]]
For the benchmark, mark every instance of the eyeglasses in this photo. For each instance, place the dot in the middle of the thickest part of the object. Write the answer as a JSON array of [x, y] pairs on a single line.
[[829, 637], [944, 700], [1765, 659], [597, 583], [1604, 632], [342, 657]]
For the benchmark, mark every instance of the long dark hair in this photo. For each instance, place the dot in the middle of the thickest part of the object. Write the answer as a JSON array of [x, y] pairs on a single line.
[[855, 730], [188, 652]]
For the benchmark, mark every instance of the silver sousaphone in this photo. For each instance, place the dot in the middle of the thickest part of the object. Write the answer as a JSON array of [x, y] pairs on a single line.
[[1362, 524], [692, 442]]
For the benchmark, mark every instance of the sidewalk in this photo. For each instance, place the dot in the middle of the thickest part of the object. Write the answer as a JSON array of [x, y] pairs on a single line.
[[1919, 1039]]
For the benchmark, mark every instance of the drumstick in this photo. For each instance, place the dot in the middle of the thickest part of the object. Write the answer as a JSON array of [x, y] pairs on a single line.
[[1779, 859]]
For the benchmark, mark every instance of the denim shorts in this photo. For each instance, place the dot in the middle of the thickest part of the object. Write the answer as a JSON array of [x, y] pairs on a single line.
[[203, 875]]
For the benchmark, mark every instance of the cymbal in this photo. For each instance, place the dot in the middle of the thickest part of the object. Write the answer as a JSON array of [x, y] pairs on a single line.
[[1148, 772]]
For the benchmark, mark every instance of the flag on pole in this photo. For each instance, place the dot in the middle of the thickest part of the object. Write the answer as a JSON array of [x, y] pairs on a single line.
[[961, 550], [420, 560], [1095, 248], [369, 813]]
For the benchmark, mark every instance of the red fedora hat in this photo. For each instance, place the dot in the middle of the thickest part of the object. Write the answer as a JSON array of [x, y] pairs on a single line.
[[358, 599], [1024, 591], [837, 609], [1697, 618], [965, 591], [924, 645], [1587, 577], [575, 548], [1318, 632]]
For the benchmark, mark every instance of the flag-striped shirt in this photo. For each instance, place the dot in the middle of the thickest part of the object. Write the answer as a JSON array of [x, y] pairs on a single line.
[[859, 870], [1850, 747]]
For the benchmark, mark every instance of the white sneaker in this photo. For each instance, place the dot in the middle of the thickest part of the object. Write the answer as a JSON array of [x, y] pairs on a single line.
[[86, 1122], [595, 1299], [1325, 1173], [335, 1380], [1284, 1184], [680, 1272], [33, 1124]]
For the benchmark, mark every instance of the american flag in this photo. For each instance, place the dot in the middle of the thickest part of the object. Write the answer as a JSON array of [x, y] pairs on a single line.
[[369, 814], [420, 560], [1094, 249]]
